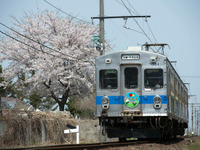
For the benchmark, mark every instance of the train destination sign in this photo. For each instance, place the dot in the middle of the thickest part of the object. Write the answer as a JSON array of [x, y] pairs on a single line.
[[130, 57]]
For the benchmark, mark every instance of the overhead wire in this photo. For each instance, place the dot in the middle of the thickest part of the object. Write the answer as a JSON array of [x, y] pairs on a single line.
[[73, 17], [120, 30], [23, 42], [145, 21], [36, 41], [151, 32], [136, 13], [190, 76], [73, 58], [136, 21]]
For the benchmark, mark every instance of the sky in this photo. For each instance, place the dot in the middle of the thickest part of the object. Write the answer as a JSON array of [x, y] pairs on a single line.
[[175, 22]]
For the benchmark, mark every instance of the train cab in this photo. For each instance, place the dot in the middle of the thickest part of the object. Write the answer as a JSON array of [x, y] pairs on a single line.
[[133, 94]]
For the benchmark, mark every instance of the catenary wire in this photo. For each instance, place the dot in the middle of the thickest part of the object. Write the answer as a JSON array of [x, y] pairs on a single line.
[[36, 41], [121, 30], [136, 12], [136, 21], [130, 11], [145, 21], [190, 76], [24, 43], [73, 17], [40, 50]]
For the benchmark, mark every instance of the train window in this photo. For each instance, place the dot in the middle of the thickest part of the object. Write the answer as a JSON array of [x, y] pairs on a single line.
[[153, 78], [131, 77], [108, 79]]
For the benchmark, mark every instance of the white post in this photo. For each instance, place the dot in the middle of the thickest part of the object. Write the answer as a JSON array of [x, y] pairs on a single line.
[[77, 134], [74, 131]]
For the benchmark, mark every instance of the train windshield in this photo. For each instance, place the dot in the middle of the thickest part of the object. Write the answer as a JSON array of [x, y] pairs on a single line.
[[153, 78], [108, 79], [131, 77]]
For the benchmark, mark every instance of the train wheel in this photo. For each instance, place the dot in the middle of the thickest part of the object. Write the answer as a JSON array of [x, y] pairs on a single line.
[[122, 139]]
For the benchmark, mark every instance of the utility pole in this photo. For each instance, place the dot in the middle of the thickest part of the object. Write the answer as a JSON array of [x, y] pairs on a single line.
[[197, 128], [192, 119], [101, 22], [102, 39], [195, 115], [0, 106]]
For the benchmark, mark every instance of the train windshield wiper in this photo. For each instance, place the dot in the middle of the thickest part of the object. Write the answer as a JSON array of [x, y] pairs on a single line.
[[155, 87]]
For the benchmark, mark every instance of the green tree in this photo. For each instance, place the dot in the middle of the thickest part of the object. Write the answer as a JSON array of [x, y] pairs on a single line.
[[8, 91], [35, 100]]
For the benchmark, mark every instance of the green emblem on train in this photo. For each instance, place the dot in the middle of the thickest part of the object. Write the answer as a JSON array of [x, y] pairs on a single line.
[[131, 100]]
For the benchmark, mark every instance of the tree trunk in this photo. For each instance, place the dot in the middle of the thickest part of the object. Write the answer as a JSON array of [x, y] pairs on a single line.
[[63, 100], [61, 106]]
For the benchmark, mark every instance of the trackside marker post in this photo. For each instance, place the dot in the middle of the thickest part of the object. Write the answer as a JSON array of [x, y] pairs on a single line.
[[74, 130]]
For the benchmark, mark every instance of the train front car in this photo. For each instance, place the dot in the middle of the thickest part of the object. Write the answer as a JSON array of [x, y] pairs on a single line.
[[134, 96]]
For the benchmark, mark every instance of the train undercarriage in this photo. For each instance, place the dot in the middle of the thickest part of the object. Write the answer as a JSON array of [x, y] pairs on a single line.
[[141, 127]]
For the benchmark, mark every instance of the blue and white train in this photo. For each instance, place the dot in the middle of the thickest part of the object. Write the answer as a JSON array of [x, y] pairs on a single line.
[[139, 94]]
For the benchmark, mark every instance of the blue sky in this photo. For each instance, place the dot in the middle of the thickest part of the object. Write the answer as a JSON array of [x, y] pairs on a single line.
[[175, 22]]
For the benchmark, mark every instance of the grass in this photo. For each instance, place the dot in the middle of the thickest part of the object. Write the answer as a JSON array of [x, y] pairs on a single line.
[[195, 146]]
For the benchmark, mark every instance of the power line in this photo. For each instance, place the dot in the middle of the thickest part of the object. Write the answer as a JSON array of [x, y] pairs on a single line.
[[136, 21], [190, 76], [133, 8], [24, 43], [145, 21], [130, 11], [121, 31], [39, 44], [73, 17], [136, 13], [36, 41], [151, 31]]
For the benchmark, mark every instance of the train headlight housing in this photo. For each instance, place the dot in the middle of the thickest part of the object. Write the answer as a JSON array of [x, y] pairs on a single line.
[[157, 102], [105, 102]]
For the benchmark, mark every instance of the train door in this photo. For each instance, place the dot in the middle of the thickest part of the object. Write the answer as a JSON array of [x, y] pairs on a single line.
[[131, 88]]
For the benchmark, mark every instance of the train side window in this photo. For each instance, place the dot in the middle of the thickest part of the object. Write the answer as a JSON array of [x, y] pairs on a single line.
[[131, 77], [108, 79], [153, 78]]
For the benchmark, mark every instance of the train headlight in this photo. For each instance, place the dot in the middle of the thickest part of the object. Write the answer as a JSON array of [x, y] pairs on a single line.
[[105, 102], [157, 102]]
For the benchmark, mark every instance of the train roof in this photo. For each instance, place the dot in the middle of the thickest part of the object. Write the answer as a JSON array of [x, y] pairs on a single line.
[[130, 50]]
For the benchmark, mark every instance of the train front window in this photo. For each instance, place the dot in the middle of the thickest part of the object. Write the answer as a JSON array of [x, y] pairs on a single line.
[[108, 79], [153, 78], [131, 77]]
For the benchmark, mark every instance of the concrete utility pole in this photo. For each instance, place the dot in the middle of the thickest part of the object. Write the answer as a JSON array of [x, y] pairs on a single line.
[[101, 22], [192, 119], [195, 115], [197, 128], [0, 106]]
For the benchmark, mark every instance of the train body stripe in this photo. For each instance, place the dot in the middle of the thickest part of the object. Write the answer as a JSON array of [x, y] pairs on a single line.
[[144, 99]]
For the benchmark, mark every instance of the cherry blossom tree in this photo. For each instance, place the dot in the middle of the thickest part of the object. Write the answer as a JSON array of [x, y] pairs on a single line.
[[54, 54]]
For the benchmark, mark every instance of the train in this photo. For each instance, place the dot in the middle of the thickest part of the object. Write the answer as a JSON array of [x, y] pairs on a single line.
[[139, 94]]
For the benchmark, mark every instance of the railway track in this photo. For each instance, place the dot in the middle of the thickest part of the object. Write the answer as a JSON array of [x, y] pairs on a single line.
[[92, 146], [95, 146]]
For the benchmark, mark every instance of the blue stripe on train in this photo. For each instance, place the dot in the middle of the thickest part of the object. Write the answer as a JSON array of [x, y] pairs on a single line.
[[145, 99]]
